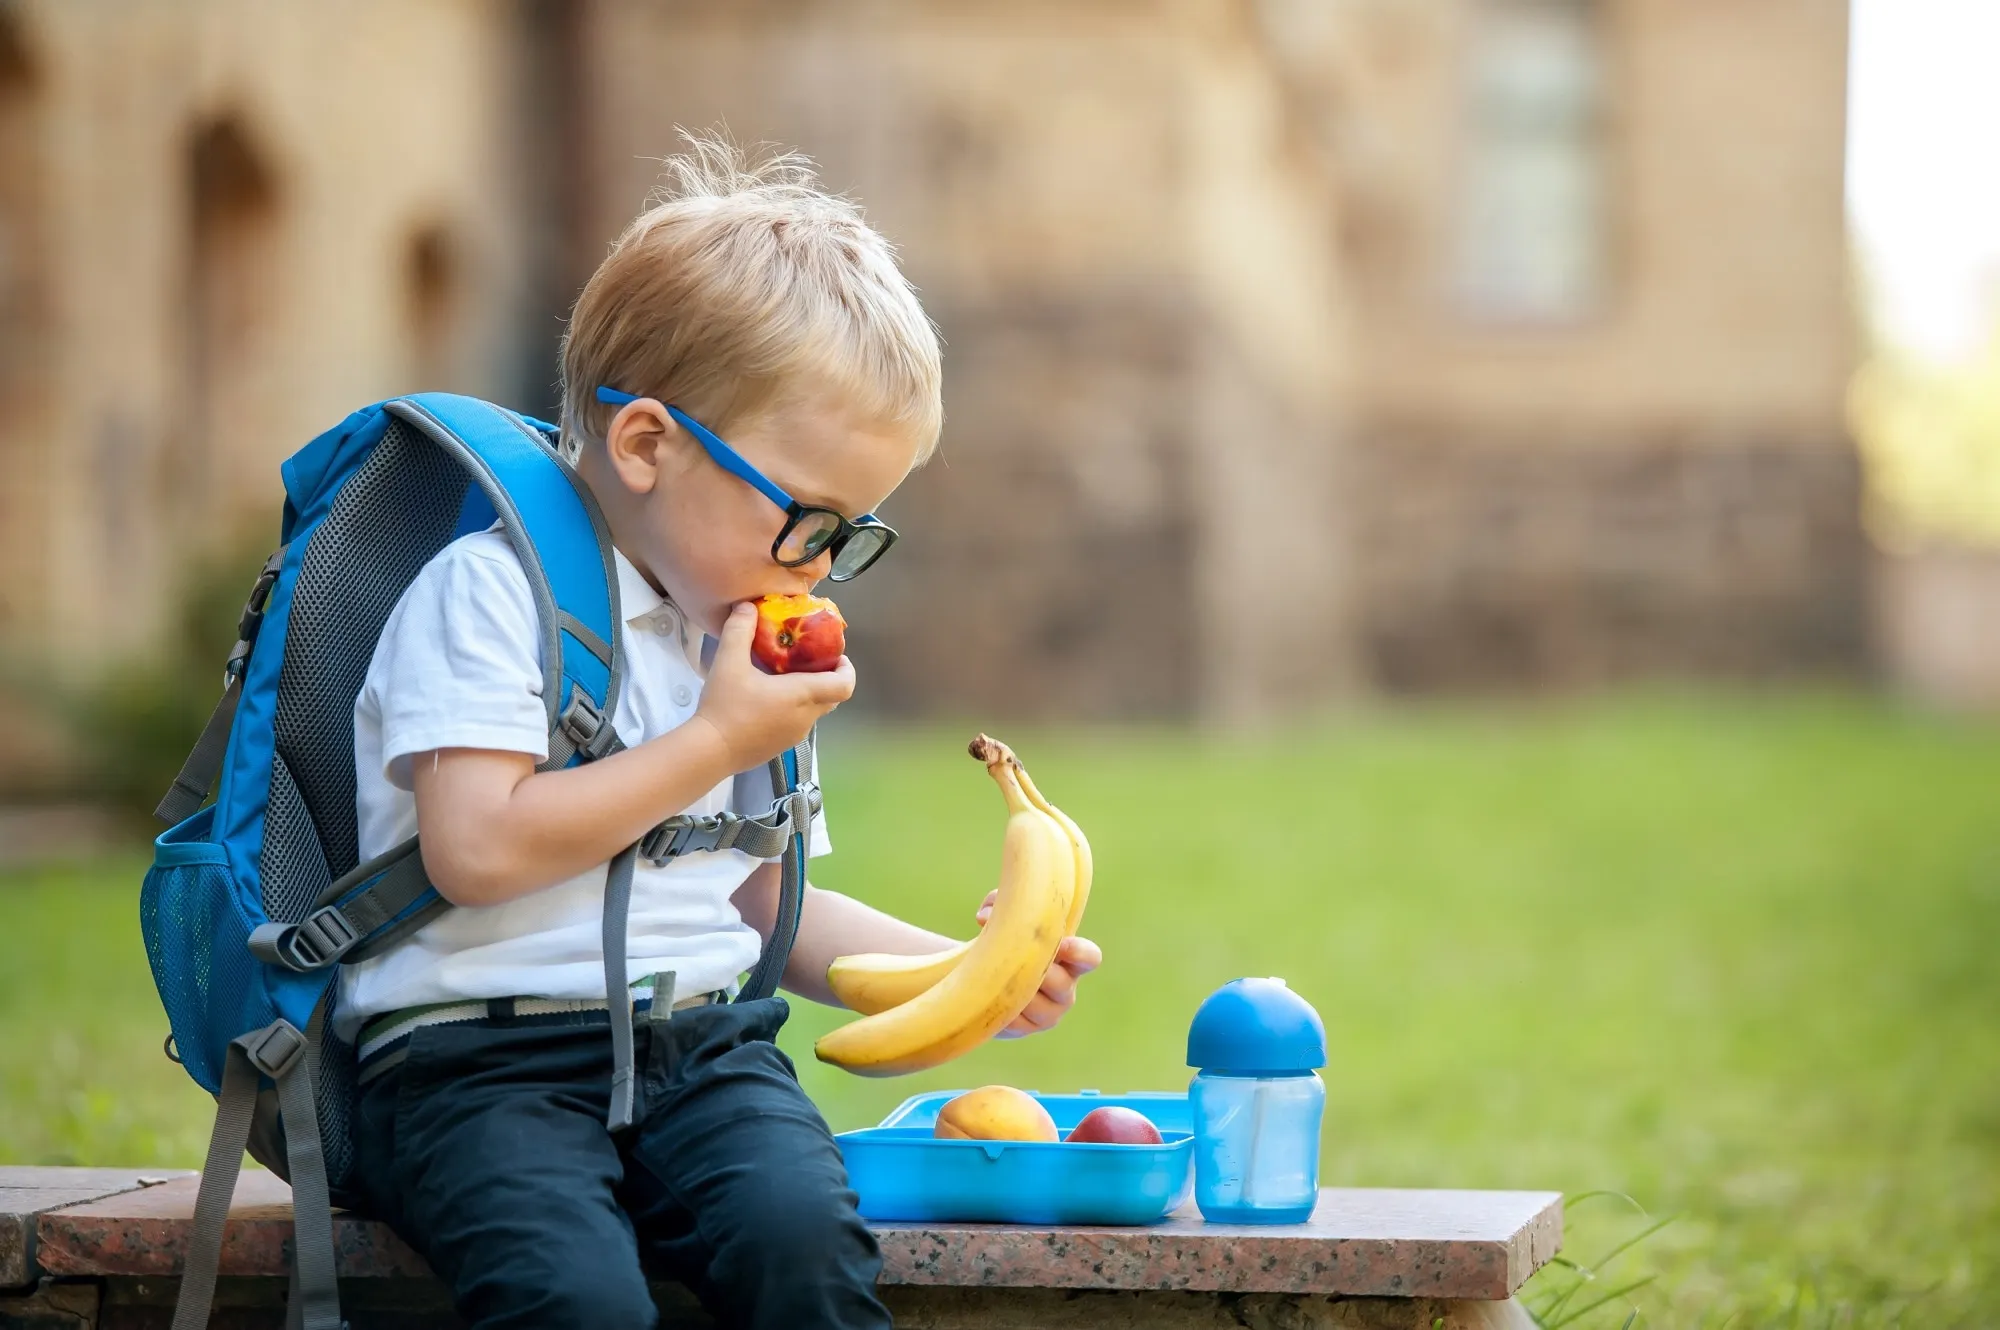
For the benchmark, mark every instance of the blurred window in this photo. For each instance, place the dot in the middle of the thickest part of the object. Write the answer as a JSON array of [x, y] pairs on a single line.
[[1529, 242]]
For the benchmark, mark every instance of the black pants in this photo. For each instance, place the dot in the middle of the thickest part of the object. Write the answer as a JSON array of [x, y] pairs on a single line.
[[486, 1150]]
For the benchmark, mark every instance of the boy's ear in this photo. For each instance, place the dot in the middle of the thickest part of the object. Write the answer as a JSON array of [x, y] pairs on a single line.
[[639, 443]]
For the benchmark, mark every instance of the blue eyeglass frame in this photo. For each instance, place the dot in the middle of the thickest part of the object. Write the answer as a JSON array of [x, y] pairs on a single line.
[[736, 464]]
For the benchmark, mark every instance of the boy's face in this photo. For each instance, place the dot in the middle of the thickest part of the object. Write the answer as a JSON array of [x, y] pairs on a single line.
[[704, 536]]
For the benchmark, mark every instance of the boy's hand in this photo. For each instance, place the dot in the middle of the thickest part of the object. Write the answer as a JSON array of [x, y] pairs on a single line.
[[759, 715], [1075, 958]]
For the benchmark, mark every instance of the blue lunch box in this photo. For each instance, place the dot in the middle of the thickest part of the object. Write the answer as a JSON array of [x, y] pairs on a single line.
[[903, 1173]]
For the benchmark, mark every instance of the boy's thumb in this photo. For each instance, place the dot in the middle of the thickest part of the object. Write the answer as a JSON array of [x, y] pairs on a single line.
[[739, 626]]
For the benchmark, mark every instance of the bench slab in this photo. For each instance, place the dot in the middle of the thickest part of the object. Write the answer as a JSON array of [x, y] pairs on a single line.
[[1360, 1242], [26, 1192]]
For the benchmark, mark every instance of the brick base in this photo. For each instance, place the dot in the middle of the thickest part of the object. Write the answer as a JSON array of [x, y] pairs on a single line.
[[1536, 564]]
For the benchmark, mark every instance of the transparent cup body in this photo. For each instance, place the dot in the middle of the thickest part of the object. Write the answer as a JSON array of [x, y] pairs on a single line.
[[1256, 1147]]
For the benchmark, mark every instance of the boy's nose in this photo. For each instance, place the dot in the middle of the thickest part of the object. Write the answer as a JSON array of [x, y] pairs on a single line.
[[816, 571]]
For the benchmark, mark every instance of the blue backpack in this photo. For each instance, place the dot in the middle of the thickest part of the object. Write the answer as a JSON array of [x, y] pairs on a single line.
[[254, 900]]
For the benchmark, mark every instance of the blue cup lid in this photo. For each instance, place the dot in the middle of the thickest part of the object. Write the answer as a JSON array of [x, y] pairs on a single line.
[[1252, 1027]]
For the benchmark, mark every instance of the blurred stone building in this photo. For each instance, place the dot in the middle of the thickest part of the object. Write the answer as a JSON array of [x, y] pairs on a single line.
[[1293, 346], [223, 225], [1597, 255]]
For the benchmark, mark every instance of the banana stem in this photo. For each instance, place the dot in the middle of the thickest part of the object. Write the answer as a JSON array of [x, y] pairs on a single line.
[[993, 753]]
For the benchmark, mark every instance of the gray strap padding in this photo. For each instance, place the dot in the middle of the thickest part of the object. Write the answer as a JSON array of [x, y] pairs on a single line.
[[226, 1143], [315, 1285], [781, 830], [764, 836], [770, 967], [349, 930], [391, 900], [198, 774], [278, 1051], [577, 629], [617, 997]]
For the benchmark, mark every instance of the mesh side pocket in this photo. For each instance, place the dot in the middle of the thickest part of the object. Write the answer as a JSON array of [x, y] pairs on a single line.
[[197, 942]]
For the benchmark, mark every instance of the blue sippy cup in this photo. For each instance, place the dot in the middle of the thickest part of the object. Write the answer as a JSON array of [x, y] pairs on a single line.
[[1257, 1103]]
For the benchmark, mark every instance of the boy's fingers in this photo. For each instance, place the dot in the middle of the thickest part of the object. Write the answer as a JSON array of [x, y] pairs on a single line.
[[1058, 985], [985, 910], [831, 687], [1079, 956], [1054, 999], [1040, 1014]]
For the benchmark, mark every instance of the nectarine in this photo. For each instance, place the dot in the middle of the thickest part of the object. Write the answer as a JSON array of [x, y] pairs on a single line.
[[995, 1113], [798, 635], [1112, 1125]]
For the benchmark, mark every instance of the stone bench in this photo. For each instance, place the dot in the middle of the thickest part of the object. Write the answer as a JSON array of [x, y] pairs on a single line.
[[102, 1248]]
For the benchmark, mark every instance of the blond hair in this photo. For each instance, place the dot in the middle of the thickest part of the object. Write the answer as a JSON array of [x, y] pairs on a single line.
[[741, 284]]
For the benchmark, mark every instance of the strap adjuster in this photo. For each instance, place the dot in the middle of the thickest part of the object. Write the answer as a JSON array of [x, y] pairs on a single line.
[[321, 938], [253, 616], [583, 721], [685, 834], [275, 1049], [760, 836], [315, 942]]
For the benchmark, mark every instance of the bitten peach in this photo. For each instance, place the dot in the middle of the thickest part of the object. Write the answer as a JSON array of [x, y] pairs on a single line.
[[798, 635], [995, 1113]]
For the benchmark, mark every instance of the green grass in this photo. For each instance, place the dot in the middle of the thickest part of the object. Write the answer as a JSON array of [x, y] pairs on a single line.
[[1730, 958]]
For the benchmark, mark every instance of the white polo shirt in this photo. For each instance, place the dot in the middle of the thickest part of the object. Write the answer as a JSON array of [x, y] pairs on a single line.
[[458, 666]]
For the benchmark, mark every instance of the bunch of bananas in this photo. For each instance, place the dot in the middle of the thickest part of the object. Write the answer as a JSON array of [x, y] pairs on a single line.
[[920, 1011]]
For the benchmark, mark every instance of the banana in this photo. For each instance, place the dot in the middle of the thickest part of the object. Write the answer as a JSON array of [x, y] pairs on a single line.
[[873, 982], [1079, 846], [1000, 970]]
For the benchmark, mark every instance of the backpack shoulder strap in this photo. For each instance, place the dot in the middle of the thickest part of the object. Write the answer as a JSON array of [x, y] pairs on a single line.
[[565, 546]]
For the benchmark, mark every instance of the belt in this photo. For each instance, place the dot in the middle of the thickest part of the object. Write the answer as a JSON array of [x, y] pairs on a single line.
[[384, 1041]]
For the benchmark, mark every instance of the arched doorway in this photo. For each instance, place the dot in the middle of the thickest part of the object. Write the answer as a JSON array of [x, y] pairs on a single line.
[[24, 342], [232, 278], [432, 295]]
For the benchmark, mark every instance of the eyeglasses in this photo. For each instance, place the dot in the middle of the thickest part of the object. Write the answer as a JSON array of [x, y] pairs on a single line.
[[809, 531]]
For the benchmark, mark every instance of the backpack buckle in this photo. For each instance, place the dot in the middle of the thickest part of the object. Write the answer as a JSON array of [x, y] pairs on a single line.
[[260, 596], [253, 616], [684, 834], [316, 941], [584, 723], [275, 1049], [321, 938]]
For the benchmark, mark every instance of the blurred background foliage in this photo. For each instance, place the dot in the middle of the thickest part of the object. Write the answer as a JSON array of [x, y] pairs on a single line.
[[1931, 434]]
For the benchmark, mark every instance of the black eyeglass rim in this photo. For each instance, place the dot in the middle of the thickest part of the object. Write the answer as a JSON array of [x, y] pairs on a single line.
[[844, 531]]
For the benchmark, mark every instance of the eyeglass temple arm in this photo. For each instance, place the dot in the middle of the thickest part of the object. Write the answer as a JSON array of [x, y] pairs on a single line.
[[725, 456]]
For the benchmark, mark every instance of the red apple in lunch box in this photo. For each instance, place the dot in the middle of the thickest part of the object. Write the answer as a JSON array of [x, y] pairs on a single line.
[[798, 635], [1112, 1125]]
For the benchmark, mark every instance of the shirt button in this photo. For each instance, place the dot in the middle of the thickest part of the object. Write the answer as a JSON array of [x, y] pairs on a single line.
[[664, 627], [682, 695]]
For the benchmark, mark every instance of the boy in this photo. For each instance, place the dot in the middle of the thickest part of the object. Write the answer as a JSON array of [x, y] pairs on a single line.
[[769, 313]]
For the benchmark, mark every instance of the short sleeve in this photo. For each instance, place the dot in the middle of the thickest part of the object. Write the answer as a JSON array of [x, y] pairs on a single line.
[[459, 662], [751, 794]]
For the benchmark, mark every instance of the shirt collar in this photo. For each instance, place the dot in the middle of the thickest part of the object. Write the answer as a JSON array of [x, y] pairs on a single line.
[[636, 597], [646, 610]]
